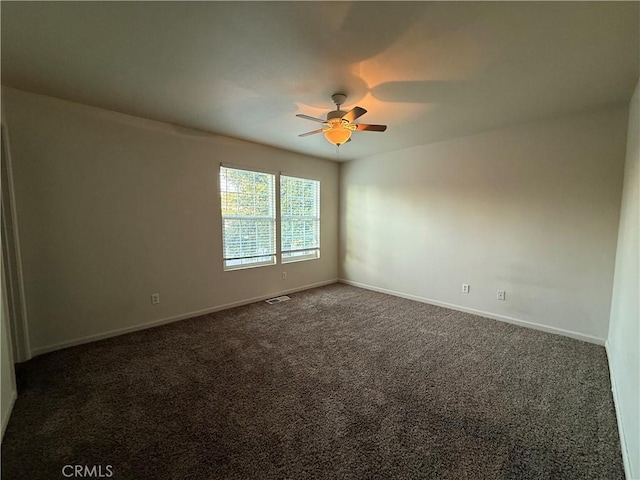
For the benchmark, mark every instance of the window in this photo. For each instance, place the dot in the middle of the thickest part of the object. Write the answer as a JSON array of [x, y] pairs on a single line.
[[248, 218], [299, 218], [248, 203]]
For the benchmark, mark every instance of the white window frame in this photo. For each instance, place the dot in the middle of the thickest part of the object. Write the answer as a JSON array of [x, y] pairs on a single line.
[[313, 252], [275, 201], [277, 221]]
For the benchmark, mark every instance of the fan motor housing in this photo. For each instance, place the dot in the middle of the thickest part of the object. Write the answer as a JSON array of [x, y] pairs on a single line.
[[335, 114]]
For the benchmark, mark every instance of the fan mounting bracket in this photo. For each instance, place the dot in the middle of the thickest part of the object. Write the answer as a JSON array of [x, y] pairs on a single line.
[[338, 98]]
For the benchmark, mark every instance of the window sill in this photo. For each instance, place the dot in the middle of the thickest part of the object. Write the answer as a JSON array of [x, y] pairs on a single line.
[[299, 259], [248, 265]]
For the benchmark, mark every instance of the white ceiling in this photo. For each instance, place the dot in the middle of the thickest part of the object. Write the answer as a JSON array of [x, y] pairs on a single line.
[[430, 70]]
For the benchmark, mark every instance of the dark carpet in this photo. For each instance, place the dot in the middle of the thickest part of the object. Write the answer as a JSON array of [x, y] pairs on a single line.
[[339, 382]]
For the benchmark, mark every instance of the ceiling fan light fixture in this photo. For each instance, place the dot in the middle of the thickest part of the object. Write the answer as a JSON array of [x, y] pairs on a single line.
[[337, 133]]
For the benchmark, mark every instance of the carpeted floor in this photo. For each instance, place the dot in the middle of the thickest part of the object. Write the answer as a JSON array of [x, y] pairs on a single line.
[[337, 383]]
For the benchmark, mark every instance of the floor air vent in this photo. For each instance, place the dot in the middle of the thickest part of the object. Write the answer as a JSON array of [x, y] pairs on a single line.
[[283, 298]]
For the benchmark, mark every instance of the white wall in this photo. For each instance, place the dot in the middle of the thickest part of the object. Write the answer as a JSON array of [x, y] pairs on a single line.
[[623, 343], [112, 208], [531, 209]]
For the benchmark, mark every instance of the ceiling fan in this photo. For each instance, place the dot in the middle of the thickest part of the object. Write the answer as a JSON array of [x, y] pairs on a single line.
[[339, 124]]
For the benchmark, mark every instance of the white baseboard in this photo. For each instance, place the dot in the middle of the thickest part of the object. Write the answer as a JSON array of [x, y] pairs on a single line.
[[493, 316], [616, 404], [7, 414], [163, 321]]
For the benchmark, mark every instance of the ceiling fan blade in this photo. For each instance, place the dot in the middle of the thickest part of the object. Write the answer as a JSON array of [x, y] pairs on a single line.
[[354, 113], [371, 128], [320, 130], [314, 119]]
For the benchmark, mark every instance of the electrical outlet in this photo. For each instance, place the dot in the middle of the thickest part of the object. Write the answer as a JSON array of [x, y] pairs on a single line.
[[501, 295], [155, 298], [465, 288], [284, 275]]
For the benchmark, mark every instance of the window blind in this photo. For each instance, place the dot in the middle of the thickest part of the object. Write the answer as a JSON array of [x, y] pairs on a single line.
[[248, 217], [299, 218]]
